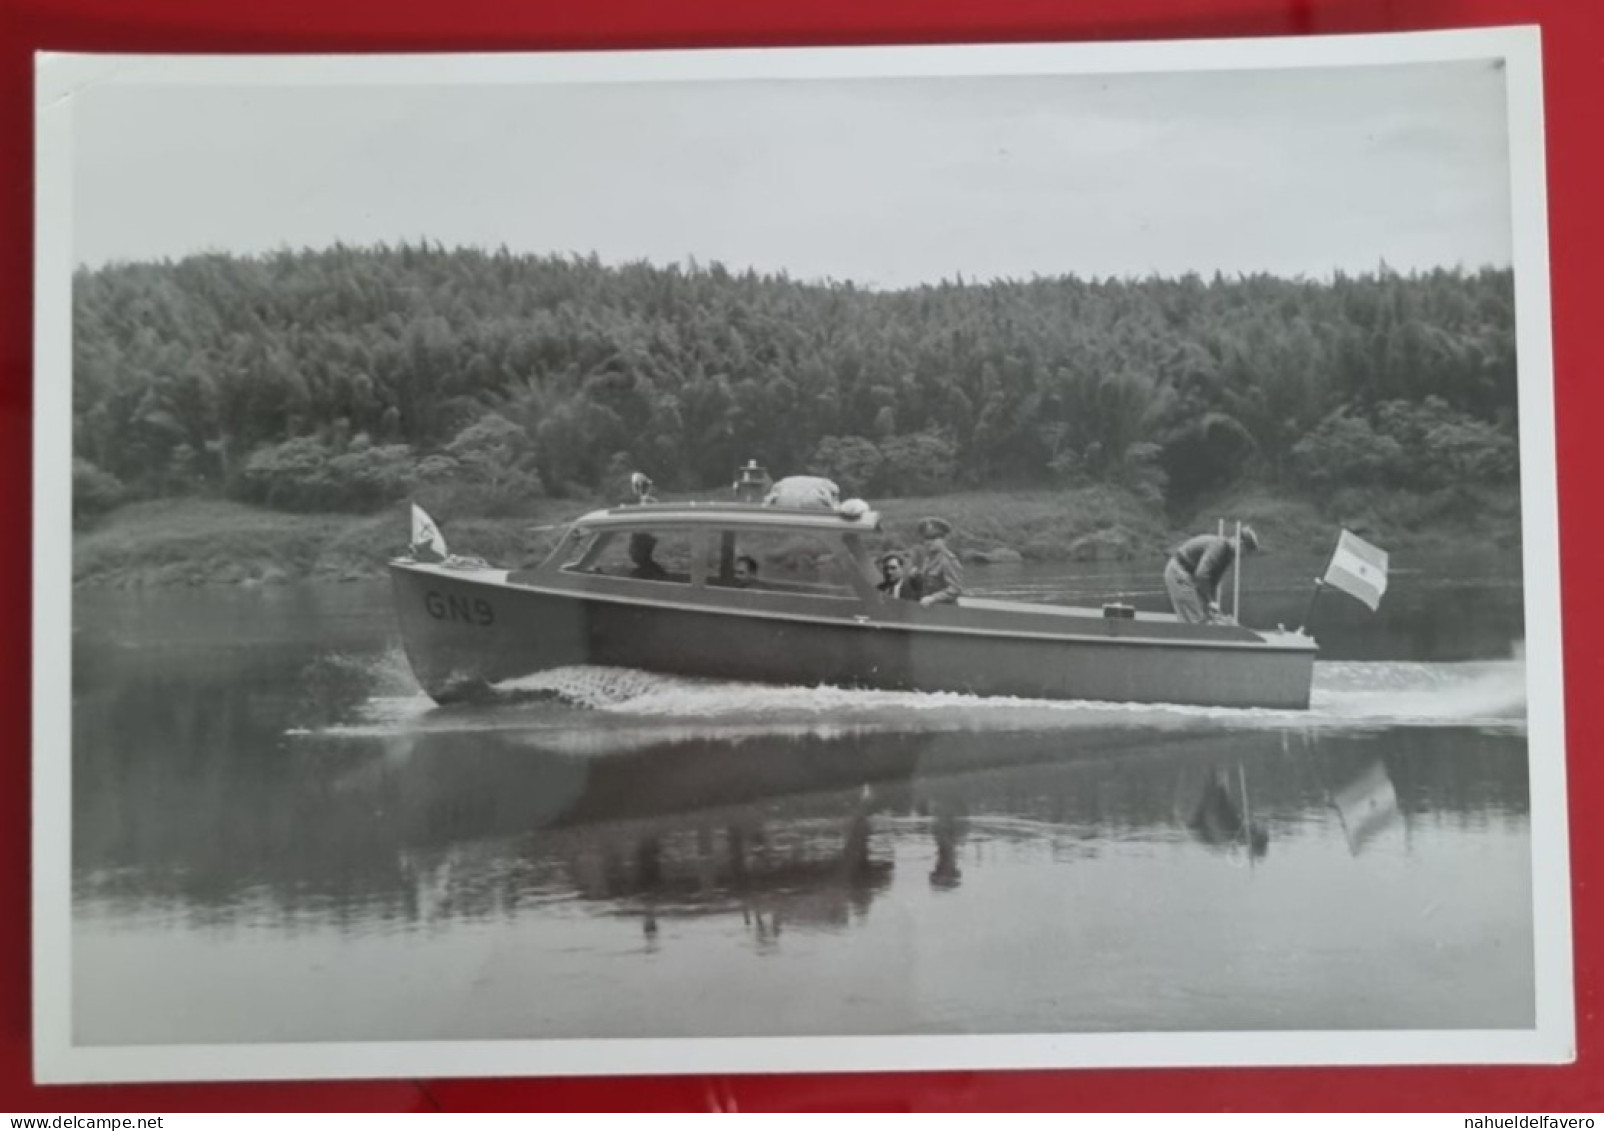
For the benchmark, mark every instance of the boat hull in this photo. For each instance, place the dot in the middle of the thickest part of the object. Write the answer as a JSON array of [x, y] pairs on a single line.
[[467, 630]]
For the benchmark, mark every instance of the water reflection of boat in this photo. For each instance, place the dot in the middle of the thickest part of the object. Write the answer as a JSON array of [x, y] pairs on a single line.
[[204, 812], [447, 787], [949, 828], [1222, 817], [819, 872], [1366, 805], [781, 831], [654, 586]]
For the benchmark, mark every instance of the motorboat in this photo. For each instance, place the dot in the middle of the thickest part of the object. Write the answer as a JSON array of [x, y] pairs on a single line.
[[788, 594]]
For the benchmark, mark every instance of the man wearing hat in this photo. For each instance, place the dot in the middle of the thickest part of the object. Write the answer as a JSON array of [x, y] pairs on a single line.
[[1195, 570], [941, 578]]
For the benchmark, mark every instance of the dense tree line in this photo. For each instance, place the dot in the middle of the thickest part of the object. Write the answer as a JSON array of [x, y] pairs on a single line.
[[346, 378]]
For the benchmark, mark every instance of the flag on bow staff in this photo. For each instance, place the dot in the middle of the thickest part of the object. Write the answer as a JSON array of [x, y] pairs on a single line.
[[427, 543], [1358, 569]]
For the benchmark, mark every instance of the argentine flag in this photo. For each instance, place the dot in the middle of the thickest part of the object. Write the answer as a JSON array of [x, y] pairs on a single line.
[[1358, 569]]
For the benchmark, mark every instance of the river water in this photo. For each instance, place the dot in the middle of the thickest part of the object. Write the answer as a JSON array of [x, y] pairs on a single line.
[[276, 837]]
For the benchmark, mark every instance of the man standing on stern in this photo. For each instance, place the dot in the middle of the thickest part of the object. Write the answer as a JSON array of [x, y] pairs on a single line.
[[1194, 572]]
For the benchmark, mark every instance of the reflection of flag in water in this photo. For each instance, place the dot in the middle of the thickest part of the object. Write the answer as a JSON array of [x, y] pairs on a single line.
[[1358, 569], [1366, 805], [427, 543]]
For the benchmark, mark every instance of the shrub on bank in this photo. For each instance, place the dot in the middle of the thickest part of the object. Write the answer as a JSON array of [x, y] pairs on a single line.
[[306, 475], [93, 491]]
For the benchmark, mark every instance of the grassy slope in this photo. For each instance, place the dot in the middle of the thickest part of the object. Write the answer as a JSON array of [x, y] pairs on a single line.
[[199, 541]]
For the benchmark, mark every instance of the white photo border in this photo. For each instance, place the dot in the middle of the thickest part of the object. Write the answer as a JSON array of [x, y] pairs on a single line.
[[58, 1059]]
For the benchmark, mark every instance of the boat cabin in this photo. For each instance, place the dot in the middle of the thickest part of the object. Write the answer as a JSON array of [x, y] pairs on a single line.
[[655, 549]]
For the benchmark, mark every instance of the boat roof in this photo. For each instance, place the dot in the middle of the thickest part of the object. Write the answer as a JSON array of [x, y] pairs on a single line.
[[729, 515]]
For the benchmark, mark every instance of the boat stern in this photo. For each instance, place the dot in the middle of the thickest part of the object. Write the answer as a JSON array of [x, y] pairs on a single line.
[[1288, 682]]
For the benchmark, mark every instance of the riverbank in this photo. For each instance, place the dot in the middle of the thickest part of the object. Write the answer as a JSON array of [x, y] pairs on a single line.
[[209, 541]]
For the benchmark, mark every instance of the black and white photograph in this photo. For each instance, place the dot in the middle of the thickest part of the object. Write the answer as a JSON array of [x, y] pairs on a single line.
[[768, 560]]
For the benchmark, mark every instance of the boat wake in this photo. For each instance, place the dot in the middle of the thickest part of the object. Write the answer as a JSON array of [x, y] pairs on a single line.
[[1485, 695], [1490, 694], [1346, 695]]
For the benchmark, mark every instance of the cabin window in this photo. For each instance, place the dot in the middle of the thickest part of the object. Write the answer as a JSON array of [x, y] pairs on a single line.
[[787, 562], [644, 555], [579, 548]]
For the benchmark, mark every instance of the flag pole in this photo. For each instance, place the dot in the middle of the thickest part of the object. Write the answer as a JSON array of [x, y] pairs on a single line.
[[1319, 587], [1236, 577], [1308, 611], [1219, 532]]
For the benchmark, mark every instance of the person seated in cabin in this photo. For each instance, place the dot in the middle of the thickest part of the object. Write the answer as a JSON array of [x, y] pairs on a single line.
[[641, 546], [897, 582], [745, 573], [1193, 574], [940, 577]]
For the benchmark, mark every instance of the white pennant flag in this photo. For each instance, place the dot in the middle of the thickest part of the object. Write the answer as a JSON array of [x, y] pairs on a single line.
[[427, 543], [1358, 569]]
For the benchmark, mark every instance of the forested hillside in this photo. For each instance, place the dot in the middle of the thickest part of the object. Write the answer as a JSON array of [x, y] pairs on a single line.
[[347, 378]]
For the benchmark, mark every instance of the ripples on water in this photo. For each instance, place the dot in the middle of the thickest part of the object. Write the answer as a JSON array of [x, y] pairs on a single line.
[[276, 836]]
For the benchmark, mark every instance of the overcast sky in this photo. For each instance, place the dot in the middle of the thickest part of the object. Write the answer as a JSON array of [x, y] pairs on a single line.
[[886, 182]]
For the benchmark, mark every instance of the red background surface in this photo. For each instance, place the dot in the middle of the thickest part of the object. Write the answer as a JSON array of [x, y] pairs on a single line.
[[1573, 46]]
